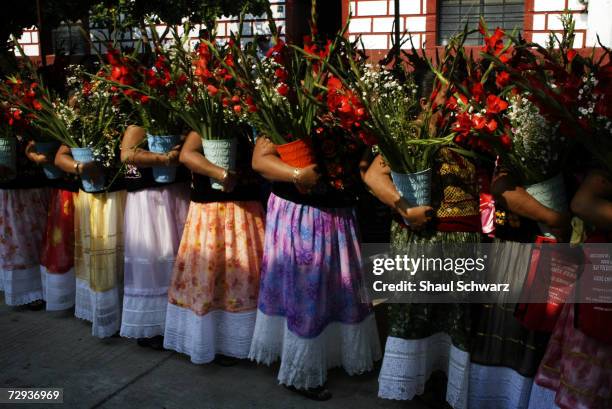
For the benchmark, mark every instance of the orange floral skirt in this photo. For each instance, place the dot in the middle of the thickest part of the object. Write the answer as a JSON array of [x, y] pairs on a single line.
[[219, 258]]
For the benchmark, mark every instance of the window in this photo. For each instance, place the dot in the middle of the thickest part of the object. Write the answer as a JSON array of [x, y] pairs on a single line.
[[68, 40], [454, 14]]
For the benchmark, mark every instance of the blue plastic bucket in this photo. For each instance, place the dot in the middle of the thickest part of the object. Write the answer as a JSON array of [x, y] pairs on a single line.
[[50, 148], [163, 144], [85, 155]]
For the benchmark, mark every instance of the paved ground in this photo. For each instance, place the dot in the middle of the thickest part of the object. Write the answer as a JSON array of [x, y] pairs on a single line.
[[40, 349]]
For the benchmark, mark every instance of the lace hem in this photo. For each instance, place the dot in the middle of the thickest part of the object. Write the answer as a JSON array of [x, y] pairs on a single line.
[[305, 361], [21, 287], [497, 387], [408, 364], [204, 336], [143, 317], [59, 290], [102, 309]]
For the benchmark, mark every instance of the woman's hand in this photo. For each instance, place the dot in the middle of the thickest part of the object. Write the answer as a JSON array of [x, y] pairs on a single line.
[[307, 178], [560, 225], [230, 180], [36, 157], [173, 156], [417, 217]]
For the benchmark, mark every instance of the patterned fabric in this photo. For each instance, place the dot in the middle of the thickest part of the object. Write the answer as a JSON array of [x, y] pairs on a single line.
[[311, 267], [22, 227], [219, 259], [578, 368], [99, 239], [456, 186], [415, 321], [58, 248]]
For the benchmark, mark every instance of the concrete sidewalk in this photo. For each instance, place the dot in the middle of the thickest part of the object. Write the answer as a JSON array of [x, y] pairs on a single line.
[[40, 349]]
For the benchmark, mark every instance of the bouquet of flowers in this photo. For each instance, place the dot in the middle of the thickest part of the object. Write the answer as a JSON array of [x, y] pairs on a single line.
[[479, 92], [568, 88], [538, 148], [150, 86]]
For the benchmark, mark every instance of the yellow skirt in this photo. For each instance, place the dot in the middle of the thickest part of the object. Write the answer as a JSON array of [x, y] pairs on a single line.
[[98, 243]]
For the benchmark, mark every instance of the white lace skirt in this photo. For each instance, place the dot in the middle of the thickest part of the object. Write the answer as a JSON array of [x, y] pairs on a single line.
[[21, 286], [498, 387], [408, 364], [154, 221], [59, 290], [101, 308], [305, 361], [204, 336]]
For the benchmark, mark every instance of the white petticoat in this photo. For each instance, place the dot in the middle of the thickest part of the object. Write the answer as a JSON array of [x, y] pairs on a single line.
[[152, 230], [59, 290], [21, 287], [305, 361], [143, 316], [204, 336], [408, 364], [497, 387], [102, 309]]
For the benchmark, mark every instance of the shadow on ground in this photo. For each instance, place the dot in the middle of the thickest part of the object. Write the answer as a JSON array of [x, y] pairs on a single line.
[[42, 349]]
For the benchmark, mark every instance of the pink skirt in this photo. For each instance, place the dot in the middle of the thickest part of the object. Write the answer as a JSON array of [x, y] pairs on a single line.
[[576, 367], [154, 220]]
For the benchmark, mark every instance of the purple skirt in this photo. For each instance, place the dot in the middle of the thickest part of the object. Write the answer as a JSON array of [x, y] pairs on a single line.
[[311, 269]]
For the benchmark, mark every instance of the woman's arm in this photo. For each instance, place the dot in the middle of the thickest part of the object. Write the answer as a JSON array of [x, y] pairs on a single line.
[[378, 179], [191, 156], [132, 153], [65, 161], [592, 201], [37, 158], [267, 162], [516, 199]]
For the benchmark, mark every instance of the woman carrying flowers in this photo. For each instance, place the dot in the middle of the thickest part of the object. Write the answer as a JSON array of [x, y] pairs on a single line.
[[57, 259], [24, 199], [154, 218], [576, 370], [215, 281], [429, 338], [98, 246], [89, 127], [310, 312]]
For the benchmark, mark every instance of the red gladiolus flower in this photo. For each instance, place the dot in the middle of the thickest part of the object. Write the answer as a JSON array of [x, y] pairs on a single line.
[[235, 99], [237, 109], [281, 74], [495, 105], [36, 105], [505, 141], [477, 91], [212, 90], [491, 125], [283, 89], [571, 54], [502, 79], [144, 99], [495, 43]]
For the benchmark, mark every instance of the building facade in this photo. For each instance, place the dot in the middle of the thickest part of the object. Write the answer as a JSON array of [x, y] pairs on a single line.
[[429, 23]]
